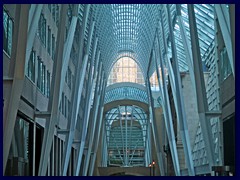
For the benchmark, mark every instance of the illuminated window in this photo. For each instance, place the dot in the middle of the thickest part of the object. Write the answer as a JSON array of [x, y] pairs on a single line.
[[154, 79], [31, 66], [41, 76], [8, 33], [125, 70]]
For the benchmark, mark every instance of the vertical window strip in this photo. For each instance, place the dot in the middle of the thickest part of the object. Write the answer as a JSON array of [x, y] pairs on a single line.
[[43, 79], [57, 14], [48, 84], [39, 73], [69, 75], [44, 31], [65, 106], [63, 103], [49, 41], [8, 32], [53, 47], [225, 65], [41, 76], [69, 109], [31, 66]]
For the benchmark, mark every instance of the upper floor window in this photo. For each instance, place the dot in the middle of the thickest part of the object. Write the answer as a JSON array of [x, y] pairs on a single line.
[[125, 70], [225, 64], [41, 76], [53, 46], [69, 78], [42, 29], [54, 9], [49, 41], [7, 33], [31, 66], [48, 84]]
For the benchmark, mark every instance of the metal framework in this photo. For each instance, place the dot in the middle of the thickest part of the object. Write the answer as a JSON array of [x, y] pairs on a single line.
[[166, 39], [126, 136], [121, 91]]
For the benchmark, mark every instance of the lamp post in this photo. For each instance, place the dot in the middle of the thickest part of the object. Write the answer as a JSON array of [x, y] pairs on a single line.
[[153, 164], [150, 166]]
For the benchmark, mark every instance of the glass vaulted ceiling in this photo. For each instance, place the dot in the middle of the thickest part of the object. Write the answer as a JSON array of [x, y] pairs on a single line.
[[129, 30]]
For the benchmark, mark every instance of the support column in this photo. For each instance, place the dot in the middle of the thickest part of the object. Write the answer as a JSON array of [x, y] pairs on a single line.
[[98, 130], [34, 16], [120, 122], [223, 19], [186, 45], [154, 129], [87, 107], [18, 60], [55, 94], [200, 87], [92, 130], [179, 102], [167, 109], [76, 96]]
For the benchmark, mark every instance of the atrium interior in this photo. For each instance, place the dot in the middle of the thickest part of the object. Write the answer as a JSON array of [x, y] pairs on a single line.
[[119, 90]]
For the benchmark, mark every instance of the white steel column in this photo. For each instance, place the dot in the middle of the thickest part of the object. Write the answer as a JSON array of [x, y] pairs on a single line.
[[120, 122], [179, 101], [98, 130], [224, 22], [165, 98], [55, 94], [154, 129], [202, 104], [104, 148], [94, 118], [186, 45], [76, 97], [87, 106], [18, 60]]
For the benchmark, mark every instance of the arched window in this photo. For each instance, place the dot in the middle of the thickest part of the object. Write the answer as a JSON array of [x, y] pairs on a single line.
[[125, 70]]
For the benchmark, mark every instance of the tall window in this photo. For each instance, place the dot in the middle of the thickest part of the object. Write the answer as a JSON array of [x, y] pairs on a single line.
[[63, 103], [53, 46], [69, 78], [39, 72], [69, 109], [43, 79], [69, 13], [42, 29], [8, 32], [31, 66], [65, 106], [48, 84], [55, 13], [41, 76], [125, 70], [49, 41], [49, 7], [225, 64]]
